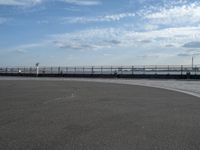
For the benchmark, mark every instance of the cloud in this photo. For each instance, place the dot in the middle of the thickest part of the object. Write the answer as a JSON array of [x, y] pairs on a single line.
[[169, 45], [160, 55], [25, 48], [148, 27], [70, 45], [20, 51], [120, 38], [90, 39], [184, 55], [145, 41], [20, 2], [115, 42], [192, 45], [42, 22], [187, 14], [106, 18], [189, 54], [83, 2], [73, 9], [105, 38]]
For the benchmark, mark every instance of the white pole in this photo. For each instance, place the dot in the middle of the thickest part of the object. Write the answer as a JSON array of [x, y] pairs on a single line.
[[37, 69]]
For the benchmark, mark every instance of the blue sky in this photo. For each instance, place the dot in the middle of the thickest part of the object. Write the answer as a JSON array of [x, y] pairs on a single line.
[[99, 32]]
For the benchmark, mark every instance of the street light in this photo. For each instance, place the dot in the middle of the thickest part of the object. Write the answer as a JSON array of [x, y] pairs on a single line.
[[37, 68]]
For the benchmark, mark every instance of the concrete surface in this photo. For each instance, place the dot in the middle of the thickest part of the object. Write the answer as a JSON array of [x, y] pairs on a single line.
[[77, 115]]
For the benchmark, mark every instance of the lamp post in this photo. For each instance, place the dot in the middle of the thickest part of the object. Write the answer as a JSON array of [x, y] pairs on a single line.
[[37, 68]]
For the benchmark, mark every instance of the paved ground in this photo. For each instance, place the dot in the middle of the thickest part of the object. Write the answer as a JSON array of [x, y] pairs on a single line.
[[74, 115], [191, 87]]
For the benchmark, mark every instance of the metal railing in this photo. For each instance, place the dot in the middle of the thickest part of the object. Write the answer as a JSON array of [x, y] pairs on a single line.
[[107, 70]]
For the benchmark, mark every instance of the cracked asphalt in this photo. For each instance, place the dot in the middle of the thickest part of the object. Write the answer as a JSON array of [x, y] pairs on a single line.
[[78, 115]]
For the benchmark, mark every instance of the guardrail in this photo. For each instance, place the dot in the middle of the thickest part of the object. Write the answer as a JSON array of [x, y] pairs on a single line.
[[115, 71]]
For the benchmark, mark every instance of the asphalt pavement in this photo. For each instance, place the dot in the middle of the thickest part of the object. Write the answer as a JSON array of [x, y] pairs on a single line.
[[78, 115]]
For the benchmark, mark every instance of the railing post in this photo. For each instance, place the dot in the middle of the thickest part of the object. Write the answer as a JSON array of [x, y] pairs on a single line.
[[168, 69], [51, 70], [58, 70], [156, 70], [67, 70], [44, 70], [61, 71], [75, 70], [92, 70], [111, 70], [195, 70], [181, 70], [30, 70], [132, 70]]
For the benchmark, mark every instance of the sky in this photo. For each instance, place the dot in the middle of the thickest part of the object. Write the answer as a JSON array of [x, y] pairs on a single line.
[[99, 32]]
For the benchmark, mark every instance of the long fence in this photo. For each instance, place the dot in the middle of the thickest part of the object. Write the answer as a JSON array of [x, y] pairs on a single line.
[[180, 71]]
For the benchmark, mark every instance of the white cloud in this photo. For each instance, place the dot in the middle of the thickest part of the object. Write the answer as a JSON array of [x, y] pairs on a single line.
[[173, 36], [165, 44], [148, 27], [27, 47], [176, 15], [195, 44], [91, 39], [117, 17], [106, 18], [83, 2], [34, 2], [94, 39], [20, 2], [120, 38], [20, 51], [42, 22]]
